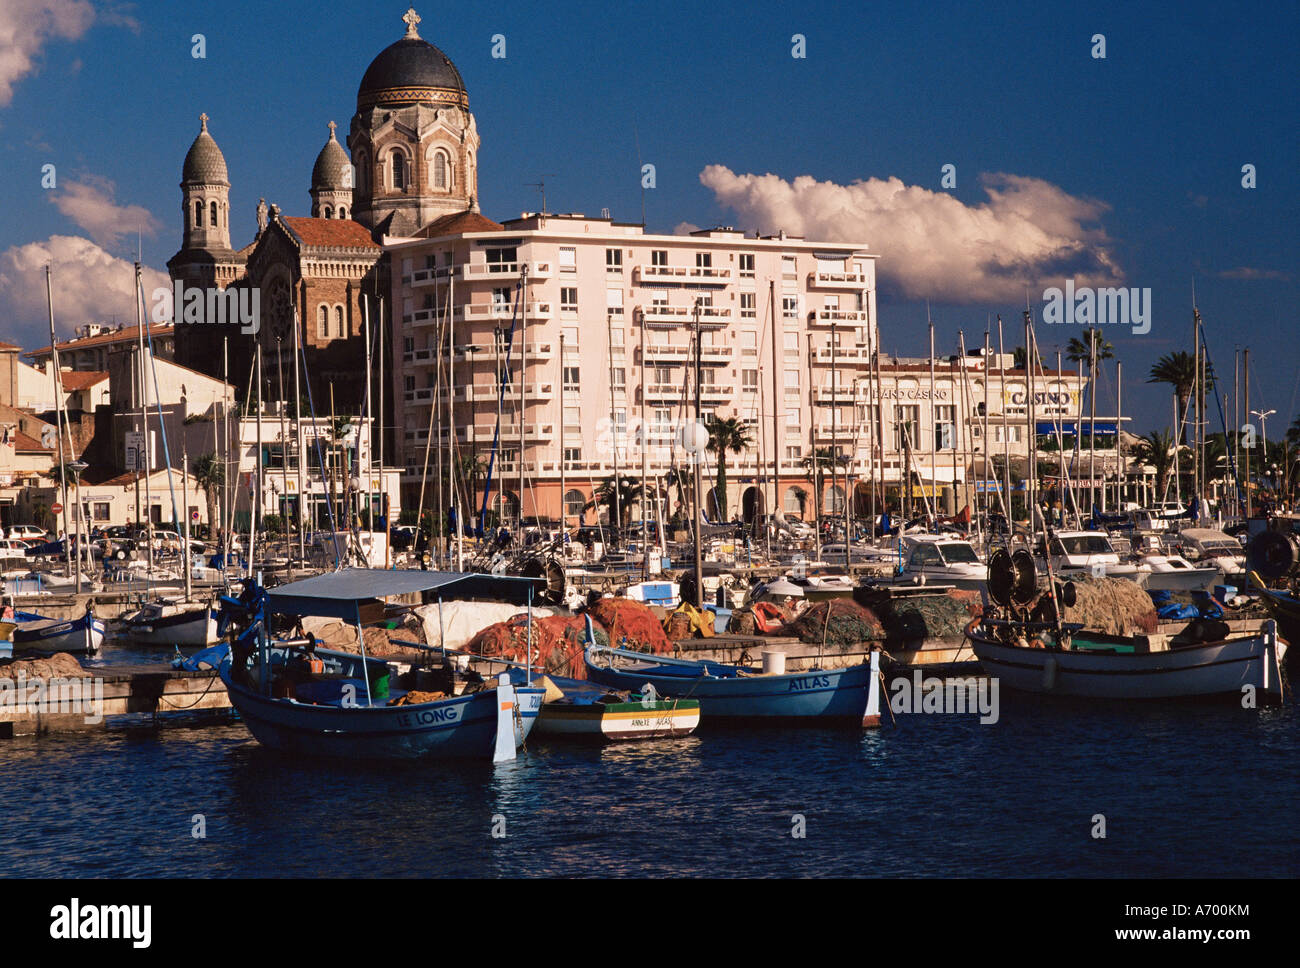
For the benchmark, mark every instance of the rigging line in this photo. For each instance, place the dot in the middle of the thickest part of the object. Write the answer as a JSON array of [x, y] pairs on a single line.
[[502, 376], [320, 456], [162, 427]]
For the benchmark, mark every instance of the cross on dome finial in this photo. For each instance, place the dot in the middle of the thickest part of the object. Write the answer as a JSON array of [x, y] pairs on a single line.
[[411, 19], [203, 120], [332, 126]]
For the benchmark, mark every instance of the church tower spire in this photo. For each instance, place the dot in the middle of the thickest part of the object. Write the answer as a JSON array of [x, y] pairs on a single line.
[[331, 181], [205, 189]]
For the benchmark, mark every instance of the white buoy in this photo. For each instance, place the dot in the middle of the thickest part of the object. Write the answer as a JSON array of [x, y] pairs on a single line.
[[773, 663]]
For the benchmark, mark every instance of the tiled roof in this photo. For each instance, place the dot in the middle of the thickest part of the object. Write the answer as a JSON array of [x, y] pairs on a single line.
[[24, 441], [81, 379], [125, 334], [457, 224], [337, 233], [8, 346]]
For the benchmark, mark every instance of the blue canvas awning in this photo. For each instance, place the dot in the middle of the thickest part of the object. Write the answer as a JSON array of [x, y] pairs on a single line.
[[1067, 427], [341, 594]]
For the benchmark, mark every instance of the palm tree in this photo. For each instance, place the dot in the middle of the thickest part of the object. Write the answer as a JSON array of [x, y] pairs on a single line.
[[1079, 350], [628, 492], [1020, 357], [1178, 369], [1157, 449], [731, 434], [210, 475], [801, 496]]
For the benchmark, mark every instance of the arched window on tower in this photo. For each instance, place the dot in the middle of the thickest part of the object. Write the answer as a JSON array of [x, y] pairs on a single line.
[[213, 213], [198, 214], [439, 169], [338, 322], [343, 212], [329, 212], [323, 322], [399, 171]]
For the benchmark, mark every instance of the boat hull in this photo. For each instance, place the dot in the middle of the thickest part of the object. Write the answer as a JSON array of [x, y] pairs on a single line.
[[1182, 580], [615, 722], [850, 694], [83, 635], [195, 628], [464, 726], [1210, 669]]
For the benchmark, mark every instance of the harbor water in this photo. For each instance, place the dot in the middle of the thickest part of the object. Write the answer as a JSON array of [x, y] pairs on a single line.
[[1184, 790]]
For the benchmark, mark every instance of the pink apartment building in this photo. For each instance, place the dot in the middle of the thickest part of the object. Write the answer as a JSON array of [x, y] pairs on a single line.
[[603, 346]]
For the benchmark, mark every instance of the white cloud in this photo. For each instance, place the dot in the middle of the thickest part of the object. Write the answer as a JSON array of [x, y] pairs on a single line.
[[90, 204], [25, 28], [90, 286], [931, 244], [1252, 274], [685, 228]]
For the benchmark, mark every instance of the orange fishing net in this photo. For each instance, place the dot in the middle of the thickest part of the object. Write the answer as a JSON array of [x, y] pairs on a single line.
[[558, 642], [631, 625]]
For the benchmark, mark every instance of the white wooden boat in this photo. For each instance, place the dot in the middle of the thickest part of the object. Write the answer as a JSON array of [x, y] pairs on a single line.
[[1174, 573], [586, 711], [1072, 662], [172, 622]]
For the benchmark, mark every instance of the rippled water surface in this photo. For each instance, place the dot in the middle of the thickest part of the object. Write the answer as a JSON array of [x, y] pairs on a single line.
[[1186, 790]]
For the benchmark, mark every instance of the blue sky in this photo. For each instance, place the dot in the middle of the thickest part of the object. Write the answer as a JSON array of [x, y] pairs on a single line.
[[1138, 156]]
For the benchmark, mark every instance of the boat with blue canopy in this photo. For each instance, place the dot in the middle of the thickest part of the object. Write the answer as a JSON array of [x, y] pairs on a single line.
[[297, 697]]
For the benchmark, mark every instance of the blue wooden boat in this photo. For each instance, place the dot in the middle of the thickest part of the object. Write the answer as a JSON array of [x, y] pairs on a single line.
[[38, 633], [300, 699], [815, 696]]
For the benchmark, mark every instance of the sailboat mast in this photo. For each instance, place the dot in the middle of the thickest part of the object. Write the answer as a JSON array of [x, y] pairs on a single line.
[[775, 507], [297, 444], [58, 424]]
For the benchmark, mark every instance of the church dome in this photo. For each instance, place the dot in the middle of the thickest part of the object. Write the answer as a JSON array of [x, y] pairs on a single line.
[[331, 164], [204, 162], [410, 71]]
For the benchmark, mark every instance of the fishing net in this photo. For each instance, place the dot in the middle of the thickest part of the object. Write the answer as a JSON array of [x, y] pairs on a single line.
[[940, 616], [843, 622], [61, 665], [1116, 606], [631, 625], [558, 642]]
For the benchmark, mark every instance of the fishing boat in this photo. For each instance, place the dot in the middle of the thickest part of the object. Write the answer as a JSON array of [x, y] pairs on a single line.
[[298, 698], [1174, 573], [813, 697], [168, 621], [583, 712], [1283, 606], [37, 633]]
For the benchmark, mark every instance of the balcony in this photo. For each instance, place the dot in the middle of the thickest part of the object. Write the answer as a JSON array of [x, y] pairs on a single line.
[[837, 280], [684, 275], [841, 356], [472, 312], [667, 354], [478, 271], [842, 395], [658, 314], [843, 433], [837, 317], [429, 276], [664, 392], [538, 352], [535, 433], [713, 393]]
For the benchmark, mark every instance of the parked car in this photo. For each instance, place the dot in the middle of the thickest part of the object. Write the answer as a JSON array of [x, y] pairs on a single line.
[[26, 532]]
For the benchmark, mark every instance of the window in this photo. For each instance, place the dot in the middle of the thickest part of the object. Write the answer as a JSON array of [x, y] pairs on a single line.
[[792, 379], [343, 212], [568, 258], [329, 212], [1012, 435], [747, 305], [659, 257], [789, 307], [749, 343], [944, 427], [410, 384], [618, 417], [907, 421], [101, 511], [616, 343], [502, 260], [198, 215], [747, 264], [613, 260], [618, 376], [431, 261], [212, 215], [338, 322], [572, 377], [614, 301], [703, 260], [573, 418], [440, 179], [399, 171], [501, 299], [323, 322], [749, 381], [574, 501], [791, 343], [570, 336], [408, 345], [831, 303], [569, 299]]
